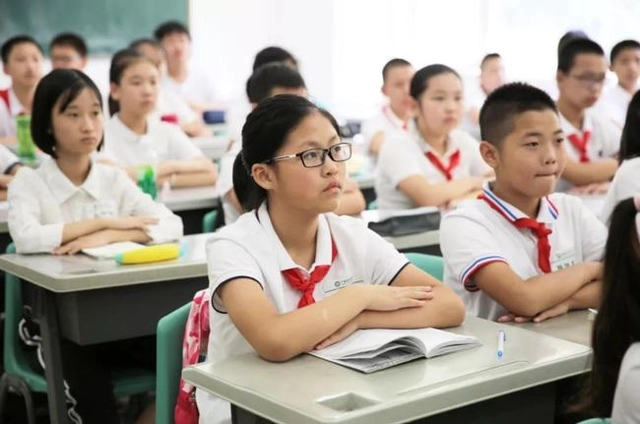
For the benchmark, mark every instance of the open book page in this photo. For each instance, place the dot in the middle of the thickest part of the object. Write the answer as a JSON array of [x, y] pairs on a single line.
[[111, 250]]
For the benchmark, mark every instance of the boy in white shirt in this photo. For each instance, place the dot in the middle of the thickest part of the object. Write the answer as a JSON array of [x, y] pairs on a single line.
[[394, 117], [625, 62], [593, 140], [520, 251], [68, 51]]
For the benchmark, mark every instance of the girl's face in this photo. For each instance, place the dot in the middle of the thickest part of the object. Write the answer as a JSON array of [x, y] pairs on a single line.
[[440, 107], [78, 129], [317, 189], [137, 91]]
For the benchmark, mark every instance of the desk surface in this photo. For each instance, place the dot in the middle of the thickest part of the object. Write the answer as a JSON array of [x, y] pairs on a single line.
[[399, 394], [191, 198], [63, 274], [574, 327]]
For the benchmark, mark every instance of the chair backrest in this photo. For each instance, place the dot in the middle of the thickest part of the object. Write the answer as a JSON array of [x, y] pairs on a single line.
[[596, 421], [433, 265], [169, 362], [373, 205], [209, 221]]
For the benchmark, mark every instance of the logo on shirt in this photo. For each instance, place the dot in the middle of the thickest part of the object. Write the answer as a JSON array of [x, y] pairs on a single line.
[[338, 284], [563, 260]]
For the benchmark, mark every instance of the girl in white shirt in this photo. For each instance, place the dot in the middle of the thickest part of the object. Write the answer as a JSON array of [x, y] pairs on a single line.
[[612, 387], [70, 203], [311, 277], [433, 164], [132, 133]]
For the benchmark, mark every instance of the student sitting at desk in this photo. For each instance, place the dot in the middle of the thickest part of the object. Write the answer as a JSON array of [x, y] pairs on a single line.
[[434, 164], [612, 387], [520, 250], [267, 81], [394, 117], [311, 277], [68, 51], [133, 137], [22, 59], [626, 182], [70, 203], [593, 140]]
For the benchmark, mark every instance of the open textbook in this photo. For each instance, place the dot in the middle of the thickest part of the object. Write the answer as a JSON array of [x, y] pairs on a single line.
[[376, 349]]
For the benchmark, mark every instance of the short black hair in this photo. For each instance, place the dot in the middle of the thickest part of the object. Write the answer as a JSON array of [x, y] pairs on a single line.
[[72, 40], [623, 45], [571, 35], [272, 54], [505, 104], [170, 27], [59, 85], [420, 80], [393, 63], [489, 57], [269, 76], [571, 49], [8, 46], [138, 42]]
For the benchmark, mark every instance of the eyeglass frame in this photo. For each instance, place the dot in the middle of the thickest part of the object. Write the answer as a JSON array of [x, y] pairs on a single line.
[[325, 153], [589, 81]]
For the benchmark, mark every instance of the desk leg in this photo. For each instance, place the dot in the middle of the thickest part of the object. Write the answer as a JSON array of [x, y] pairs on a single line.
[[52, 357], [242, 416]]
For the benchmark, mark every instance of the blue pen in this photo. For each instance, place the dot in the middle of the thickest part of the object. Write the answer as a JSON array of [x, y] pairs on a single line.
[[502, 337]]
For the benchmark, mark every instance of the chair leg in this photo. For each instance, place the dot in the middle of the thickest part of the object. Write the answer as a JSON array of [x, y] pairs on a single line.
[[4, 388]]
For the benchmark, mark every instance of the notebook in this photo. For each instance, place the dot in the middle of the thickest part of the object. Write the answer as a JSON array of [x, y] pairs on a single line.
[[376, 349], [111, 250]]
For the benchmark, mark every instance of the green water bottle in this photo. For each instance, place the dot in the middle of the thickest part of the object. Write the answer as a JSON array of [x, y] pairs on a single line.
[[26, 147], [147, 180]]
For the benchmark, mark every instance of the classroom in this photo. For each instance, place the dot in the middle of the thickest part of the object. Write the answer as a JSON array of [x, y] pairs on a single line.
[[319, 211]]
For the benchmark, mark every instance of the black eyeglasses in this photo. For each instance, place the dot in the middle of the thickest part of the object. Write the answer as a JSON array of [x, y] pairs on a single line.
[[312, 158]]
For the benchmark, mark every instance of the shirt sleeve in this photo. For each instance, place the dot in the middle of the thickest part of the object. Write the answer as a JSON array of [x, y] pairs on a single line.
[[625, 403], [478, 167], [136, 203], [397, 160], [625, 184], [180, 146], [383, 260], [24, 218], [612, 135], [467, 245], [593, 240], [6, 128], [227, 260], [225, 178], [7, 159]]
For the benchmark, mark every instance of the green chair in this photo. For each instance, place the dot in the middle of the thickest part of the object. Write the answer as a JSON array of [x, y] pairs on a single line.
[[169, 362], [596, 421], [209, 221], [21, 377], [373, 205], [433, 265]]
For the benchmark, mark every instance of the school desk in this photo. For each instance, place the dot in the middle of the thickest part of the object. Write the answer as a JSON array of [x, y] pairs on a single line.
[[191, 204], [92, 301], [424, 242], [468, 386], [575, 327]]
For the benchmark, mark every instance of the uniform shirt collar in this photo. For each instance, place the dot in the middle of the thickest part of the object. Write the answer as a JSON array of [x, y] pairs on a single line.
[[569, 129], [62, 188], [14, 103], [547, 213], [426, 147]]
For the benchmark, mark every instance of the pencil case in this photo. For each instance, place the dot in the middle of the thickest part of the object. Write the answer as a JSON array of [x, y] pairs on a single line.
[[154, 253]]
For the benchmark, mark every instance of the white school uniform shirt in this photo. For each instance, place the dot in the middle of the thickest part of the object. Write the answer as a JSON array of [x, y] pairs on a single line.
[[475, 235], [225, 182], [625, 184], [171, 104], [250, 248], [626, 408], [604, 141], [8, 115], [7, 160], [126, 148], [384, 120], [42, 200], [198, 87], [613, 104], [405, 157]]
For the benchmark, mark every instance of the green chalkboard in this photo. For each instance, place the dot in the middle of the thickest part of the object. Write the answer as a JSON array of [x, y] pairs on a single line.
[[107, 25]]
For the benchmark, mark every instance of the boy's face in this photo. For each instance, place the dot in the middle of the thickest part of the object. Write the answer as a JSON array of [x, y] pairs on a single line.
[[24, 64], [396, 88], [582, 85], [177, 46], [492, 75], [627, 67], [532, 157], [66, 57]]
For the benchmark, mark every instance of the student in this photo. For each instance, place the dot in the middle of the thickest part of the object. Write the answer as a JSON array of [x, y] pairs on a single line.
[[492, 76], [274, 54], [267, 81], [293, 169], [9, 165], [170, 107], [22, 60], [70, 203], [611, 389], [132, 134], [521, 251], [393, 117], [593, 141], [193, 85], [434, 164], [625, 62], [626, 182], [68, 51]]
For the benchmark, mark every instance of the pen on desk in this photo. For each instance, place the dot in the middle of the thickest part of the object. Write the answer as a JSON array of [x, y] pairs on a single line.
[[502, 337]]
